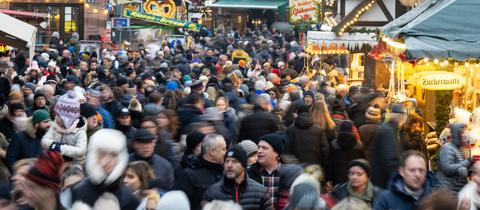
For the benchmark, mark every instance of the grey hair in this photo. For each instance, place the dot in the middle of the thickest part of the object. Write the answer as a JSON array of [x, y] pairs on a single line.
[[258, 100], [210, 141]]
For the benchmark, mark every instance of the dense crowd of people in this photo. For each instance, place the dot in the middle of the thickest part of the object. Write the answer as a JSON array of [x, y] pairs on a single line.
[[223, 122]]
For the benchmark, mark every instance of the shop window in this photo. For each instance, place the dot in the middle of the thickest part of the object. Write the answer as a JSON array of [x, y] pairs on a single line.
[[43, 35], [71, 21]]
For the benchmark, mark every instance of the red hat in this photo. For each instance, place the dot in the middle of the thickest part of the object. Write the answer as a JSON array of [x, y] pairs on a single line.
[[47, 170]]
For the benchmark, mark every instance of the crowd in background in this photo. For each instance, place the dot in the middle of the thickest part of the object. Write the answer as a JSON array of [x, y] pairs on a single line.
[[224, 122]]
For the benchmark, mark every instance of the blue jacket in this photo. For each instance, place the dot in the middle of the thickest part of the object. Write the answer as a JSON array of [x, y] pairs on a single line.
[[395, 196], [106, 117]]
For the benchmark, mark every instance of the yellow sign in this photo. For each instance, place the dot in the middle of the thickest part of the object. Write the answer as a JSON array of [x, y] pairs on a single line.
[[439, 80], [164, 9], [70, 26]]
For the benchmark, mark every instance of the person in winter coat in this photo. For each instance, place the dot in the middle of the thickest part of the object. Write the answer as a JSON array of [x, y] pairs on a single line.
[[27, 143], [123, 123], [344, 149], [367, 131], [470, 193], [307, 141], [385, 148], [88, 112], [412, 183], [15, 118], [268, 167], [205, 170], [55, 42], [411, 137], [236, 186], [191, 110], [106, 161], [39, 102], [358, 185], [41, 183], [259, 123], [68, 134], [144, 146], [453, 167]]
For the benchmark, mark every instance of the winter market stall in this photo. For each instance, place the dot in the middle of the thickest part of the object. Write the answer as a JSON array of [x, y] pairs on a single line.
[[18, 34], [436, 51]]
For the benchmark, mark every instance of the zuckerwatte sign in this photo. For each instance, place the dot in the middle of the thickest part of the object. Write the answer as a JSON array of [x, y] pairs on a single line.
[[302, 10], [440, 80]]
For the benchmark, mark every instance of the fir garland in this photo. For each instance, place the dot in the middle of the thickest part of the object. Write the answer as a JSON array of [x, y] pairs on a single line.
[[442, 109]]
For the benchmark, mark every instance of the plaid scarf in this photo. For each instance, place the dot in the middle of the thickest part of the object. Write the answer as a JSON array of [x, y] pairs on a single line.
[[271, 181]]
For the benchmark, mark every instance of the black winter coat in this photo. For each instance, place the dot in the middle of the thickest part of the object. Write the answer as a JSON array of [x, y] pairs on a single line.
[[367, 133], [258, 124], [345, 149], [23, 146], [89, 193], [188, 114], [384, 153], [162, 168], [412, 141], [196, 179], [308, 141], [250, 194]]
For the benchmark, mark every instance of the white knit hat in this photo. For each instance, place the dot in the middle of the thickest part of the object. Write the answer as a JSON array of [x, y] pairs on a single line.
[[260, 85], [68, 108]]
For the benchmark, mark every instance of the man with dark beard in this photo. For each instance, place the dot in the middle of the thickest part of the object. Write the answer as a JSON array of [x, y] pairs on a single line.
[[27, 142], [236, 186]]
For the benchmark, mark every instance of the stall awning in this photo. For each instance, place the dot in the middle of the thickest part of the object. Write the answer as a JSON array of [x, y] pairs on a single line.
[[350, 41], [17, 33], [248, 4], [439, 29]]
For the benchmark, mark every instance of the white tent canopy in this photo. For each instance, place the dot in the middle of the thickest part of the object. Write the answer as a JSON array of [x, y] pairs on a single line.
[[17, 33]]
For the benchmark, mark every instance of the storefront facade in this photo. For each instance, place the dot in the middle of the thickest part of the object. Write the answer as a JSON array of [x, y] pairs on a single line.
[[242, 14], [88, 19]]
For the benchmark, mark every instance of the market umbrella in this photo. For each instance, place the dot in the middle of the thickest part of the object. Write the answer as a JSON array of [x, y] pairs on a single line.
[[282, 26]]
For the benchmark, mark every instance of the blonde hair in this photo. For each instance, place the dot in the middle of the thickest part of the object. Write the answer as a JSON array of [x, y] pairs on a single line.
[[154, 196], [351, 203], [321, 115]]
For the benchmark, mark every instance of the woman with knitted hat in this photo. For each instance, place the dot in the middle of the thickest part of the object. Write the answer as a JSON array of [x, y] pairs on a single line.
[[68, 135]]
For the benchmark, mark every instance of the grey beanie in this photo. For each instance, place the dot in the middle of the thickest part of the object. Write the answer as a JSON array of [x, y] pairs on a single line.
[[249, 146]]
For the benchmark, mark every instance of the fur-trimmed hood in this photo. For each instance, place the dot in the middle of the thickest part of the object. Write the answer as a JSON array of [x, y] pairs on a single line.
[[109, 140]]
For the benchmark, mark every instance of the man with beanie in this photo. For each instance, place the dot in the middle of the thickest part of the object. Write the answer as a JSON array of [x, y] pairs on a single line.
[[205, 170], [236, 186], [39, 102], [385, 147], [358, 185], [144, 147], [269, 171], [42, 182], [94, 97], [27, 142], [105, 164], [88, 112], [367, 131], [123, 123]]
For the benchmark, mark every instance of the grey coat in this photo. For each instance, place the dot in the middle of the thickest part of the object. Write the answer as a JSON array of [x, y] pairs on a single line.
[[453, 167]]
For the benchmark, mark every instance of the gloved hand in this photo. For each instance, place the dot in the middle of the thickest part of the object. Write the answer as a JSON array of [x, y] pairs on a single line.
[[463, 171], [55, 146]]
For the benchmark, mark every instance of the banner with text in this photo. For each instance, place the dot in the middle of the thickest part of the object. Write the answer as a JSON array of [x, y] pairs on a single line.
[[303, 10], [161, 20]]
